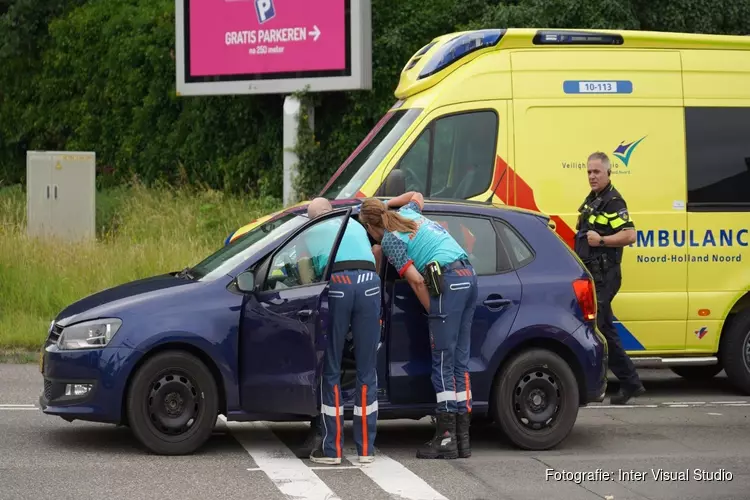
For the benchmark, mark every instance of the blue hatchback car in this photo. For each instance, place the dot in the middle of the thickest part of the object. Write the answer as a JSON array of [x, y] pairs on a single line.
[[241, 334]]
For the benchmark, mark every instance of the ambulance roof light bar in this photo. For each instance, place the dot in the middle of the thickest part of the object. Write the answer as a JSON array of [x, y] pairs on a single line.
[[459, 47], [548, 37]]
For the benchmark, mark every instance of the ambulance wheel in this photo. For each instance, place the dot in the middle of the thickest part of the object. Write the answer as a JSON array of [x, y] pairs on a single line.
[[697, 372], [172, 403], [735, 351], [536, 399]]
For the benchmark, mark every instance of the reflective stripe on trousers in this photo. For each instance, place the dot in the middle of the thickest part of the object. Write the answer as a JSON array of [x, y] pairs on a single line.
[[354, 305], [450, 319]]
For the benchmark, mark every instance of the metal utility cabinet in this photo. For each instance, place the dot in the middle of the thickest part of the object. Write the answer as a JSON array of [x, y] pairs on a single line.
[[60, 194]]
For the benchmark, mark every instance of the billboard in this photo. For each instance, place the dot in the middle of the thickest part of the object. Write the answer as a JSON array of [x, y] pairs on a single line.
[[272, 46]]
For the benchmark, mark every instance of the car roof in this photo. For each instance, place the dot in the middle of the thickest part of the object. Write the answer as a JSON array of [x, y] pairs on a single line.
[[440, 205]]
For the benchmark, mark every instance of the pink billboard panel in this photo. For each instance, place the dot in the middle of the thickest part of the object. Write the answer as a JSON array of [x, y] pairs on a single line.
[[256, 37]]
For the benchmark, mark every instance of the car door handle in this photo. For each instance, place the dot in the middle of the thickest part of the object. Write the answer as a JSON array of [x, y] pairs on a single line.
[[304, 313], [497, 301]]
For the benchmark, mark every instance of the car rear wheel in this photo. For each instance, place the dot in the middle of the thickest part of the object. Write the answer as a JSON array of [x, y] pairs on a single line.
[[536, 399], [172, 403]]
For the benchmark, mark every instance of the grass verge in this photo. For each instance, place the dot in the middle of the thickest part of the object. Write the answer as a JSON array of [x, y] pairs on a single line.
[[140, 232]]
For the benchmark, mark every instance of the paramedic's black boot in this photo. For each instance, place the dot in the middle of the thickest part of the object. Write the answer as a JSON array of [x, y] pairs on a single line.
[[463, 421], [443, 444], [625, 393]]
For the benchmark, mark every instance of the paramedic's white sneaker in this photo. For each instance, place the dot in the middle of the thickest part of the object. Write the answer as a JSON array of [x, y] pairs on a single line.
[[319, 457], [366, 460]]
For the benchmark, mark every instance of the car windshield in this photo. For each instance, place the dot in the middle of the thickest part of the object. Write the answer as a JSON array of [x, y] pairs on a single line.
[[230, 256], [360, 165]]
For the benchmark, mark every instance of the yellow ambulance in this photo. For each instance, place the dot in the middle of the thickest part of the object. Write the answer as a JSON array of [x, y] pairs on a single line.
[[510, 116]]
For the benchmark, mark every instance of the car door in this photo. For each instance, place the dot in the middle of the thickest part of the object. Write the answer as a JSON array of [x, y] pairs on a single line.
[[282, 330], [498, 300]]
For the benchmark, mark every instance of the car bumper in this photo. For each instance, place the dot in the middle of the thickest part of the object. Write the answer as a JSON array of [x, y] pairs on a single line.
[[85, 384], [597, 361]]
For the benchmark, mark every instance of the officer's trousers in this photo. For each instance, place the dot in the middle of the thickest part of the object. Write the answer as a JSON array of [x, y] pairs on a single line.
[[450, 319], [607, 285], [354, 302]]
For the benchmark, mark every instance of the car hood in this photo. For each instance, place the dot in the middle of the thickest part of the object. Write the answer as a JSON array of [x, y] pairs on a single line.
[[113, 301]]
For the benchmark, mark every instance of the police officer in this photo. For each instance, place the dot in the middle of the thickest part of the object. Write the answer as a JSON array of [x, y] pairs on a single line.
[[439, 272], [354, 298], [604, 227]]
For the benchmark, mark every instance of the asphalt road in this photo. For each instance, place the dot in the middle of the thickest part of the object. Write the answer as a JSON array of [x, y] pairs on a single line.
[[680, 427]]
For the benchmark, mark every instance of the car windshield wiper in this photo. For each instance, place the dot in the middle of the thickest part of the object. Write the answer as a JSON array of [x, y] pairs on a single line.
[[185, 273]]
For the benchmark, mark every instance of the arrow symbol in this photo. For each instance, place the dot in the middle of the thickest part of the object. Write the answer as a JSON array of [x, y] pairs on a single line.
[[315, 32]]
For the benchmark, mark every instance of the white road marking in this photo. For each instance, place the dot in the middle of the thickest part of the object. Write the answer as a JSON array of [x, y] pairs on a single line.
[[715, 414], [290, 474], [16, 406], [397, 480], [671, 404], [335, 467], [626, 407], [19, 409]]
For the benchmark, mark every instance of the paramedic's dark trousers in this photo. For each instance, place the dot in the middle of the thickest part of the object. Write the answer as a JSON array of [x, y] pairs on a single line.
[[450, 319], [607, 286], [354, 299]]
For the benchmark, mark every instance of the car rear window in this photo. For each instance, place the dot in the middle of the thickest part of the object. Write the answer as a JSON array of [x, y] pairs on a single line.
[[518, 249]]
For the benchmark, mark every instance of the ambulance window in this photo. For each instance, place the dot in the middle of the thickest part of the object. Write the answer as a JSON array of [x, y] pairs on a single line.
[[415, 163], [718, 158], [463, 154], [454, 157]]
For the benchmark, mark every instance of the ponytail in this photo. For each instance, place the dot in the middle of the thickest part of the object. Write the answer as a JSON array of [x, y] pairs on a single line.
[[374, 213], [396, 222]]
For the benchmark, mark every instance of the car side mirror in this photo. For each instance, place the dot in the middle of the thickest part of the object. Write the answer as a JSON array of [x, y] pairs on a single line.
[[395, 183], [246, 282]]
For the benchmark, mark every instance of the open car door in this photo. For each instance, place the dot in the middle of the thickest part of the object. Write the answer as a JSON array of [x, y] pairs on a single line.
[[285, 317]]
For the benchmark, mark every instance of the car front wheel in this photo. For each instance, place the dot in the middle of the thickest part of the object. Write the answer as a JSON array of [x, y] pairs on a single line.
[[172, 403], [536, 399]]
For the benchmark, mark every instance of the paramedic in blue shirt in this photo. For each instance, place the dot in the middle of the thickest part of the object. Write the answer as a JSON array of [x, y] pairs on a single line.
[[410, 241], [354, 298]]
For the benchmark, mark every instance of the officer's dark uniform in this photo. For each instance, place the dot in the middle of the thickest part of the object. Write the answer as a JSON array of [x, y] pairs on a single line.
[[607, 213]]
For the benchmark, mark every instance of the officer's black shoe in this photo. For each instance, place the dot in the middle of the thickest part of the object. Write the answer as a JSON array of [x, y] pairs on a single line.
[[443, 444], [463, 421], [313, 441], [624, 395]]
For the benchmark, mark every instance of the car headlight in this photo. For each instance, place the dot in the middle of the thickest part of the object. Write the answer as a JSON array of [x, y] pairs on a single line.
[[89, 334]]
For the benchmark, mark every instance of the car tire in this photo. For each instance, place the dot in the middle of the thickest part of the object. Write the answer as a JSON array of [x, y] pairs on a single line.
[[735, 351], [697, 373], [167, 392], [546, 385]]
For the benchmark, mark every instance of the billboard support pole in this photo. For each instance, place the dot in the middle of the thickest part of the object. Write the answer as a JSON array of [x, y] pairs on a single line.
[[292, 109]]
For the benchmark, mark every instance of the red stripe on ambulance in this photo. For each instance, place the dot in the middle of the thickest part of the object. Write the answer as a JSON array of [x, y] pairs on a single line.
[[514, 191]]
